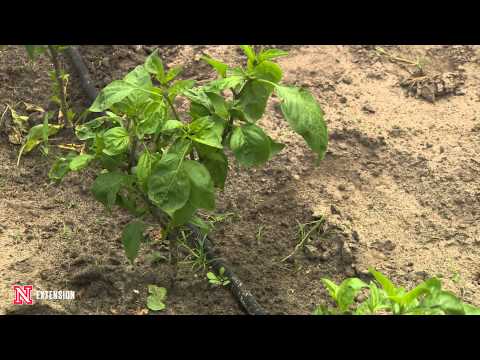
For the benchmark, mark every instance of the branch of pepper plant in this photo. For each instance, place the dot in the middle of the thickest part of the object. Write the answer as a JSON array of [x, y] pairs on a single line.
[[58, 75]]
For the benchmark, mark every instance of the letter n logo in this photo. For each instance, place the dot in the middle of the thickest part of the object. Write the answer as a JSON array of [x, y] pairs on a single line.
[[23, 295]]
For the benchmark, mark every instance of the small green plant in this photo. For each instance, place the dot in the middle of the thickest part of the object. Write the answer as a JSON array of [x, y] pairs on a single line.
[[259, 234], [197, 255], [155, 159], [304, 235], [428, 298], [67, 233], [156, 299], [218, 280], [419, 63]]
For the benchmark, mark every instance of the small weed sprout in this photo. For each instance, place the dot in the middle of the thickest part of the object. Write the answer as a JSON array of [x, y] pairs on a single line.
[[304, 235], [218, 280]]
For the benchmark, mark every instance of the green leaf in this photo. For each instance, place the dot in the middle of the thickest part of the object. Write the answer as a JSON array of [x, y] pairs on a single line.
[[208, 130], [254, 96], [128, 201], [250, 145], [173, 73], [219, 104], [132, 237], [211, 276], [386, 284], [216, 162], [305, 117], [331, 287], [154, 65], [446, 301], [198, 111], [202, 193], [139, 77], [155, 301], [61, 167], [377, 299], [116, 141], [363, 309], [112, 94], [471, 310], [347, 291], [153, 119], [204, 227], [106, 187], [172, 125], [89, 129], [144, 168], [81, 162], [275, 147], [248, 50], [35, 137], [198, 96], [184, 215], [169, 185], [424, 288], [271, 54], [178, 87], [219, 85], [219, 66], [269, 71], [155, 304]]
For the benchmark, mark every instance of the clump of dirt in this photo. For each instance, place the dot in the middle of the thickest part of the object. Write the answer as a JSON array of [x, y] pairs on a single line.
[[434, 87]]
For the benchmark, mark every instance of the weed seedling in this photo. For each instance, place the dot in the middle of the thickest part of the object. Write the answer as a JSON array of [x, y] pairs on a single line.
[[259, 234], [304, 235], [197, 256], [66, 232], [156, 299], [218, 280]]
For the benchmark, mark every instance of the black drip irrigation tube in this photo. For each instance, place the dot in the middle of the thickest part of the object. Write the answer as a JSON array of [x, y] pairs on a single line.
[[237, 287]]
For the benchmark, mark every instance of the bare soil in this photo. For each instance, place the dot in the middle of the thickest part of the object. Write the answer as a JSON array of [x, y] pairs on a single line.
[[398, 190]]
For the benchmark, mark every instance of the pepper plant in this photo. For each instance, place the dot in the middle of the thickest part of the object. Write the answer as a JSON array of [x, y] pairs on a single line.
[[155, 157], [58, 76], [39, 134]]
